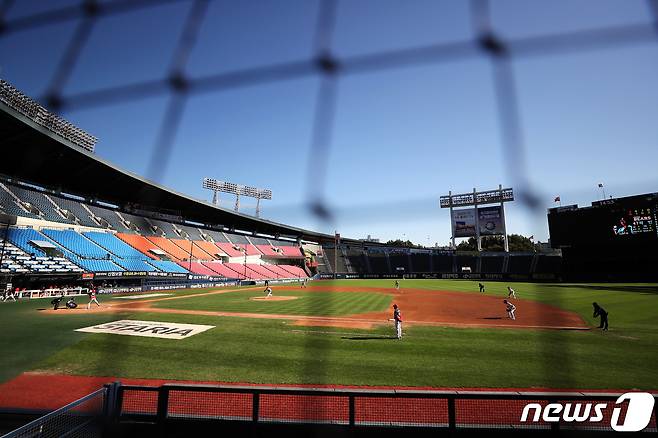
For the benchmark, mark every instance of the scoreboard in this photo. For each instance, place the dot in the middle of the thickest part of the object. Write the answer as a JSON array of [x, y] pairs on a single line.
[[625, 221]]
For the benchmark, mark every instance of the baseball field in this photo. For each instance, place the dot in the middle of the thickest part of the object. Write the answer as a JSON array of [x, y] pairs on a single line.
[[339, 333]]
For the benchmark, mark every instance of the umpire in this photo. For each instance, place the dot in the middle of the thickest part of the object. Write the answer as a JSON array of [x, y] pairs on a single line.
[[600, 311]]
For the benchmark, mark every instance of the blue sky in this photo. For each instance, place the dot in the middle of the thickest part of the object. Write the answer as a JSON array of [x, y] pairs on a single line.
[[401, 137]]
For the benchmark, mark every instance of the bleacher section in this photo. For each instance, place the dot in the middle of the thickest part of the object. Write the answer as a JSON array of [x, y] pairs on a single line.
[[230, 250], [548, 264], [224, 270], [39, 201], [163, 227], [110, 217], [174, 251], [142, 224], [519, 264], [491, 264], [11, 207], [421, 262], [167, 266], [236, 238], [77, 244], [379, 263], [75, 208], [210, 248]]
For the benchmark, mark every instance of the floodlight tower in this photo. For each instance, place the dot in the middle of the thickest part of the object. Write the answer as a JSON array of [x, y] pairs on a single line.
[[237, 190]]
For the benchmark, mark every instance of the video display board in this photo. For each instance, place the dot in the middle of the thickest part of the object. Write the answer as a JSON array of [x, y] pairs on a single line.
[[624, 221]]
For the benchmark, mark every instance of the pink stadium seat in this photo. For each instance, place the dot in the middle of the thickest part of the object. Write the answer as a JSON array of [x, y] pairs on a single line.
[[240, 269], [229, 249], [224, 270], [279, 271], [296, 271], [198, 268], [268, 251], [251, 249], [291, 251]]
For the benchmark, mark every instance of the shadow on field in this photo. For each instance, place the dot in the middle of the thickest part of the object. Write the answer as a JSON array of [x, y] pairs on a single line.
[[492, 317], [611, 288], [368, 337]]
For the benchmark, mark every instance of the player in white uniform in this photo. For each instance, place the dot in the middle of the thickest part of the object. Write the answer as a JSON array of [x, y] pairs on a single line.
[[397, 317], [92, 298], [511, 308], [269, 291], [397, 285], [511, 293]]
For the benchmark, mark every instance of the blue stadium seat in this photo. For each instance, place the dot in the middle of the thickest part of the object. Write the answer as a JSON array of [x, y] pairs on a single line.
[[168, 266], [115, 245], [134, 265], [77, 244], [98, 265]]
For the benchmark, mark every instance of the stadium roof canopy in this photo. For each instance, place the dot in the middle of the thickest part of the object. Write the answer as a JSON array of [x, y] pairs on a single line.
[[33, 154]]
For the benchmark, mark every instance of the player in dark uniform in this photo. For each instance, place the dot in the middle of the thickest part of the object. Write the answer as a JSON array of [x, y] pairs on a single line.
[[481, 287], [55, 302], [600, 311]]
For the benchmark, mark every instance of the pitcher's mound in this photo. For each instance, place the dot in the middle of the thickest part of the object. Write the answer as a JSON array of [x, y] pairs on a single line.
[[273, 298]]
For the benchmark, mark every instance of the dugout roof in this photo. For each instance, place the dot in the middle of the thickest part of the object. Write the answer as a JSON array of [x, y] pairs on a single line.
[[33, 154]]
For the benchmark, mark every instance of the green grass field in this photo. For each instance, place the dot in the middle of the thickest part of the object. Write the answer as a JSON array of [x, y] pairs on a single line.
[[273, 351]]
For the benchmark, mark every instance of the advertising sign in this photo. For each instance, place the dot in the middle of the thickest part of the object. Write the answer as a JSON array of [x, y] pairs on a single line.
[[463, 222], [490, 220]]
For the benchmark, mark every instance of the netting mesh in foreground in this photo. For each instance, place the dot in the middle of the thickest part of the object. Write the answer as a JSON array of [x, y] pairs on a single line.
[[82, 418]]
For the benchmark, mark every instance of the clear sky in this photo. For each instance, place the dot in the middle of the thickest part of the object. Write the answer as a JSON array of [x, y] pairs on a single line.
[[401, 137]]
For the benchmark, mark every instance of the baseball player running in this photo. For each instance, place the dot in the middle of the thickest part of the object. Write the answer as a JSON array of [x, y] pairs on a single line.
[[481, 287], [511, 293], [511, 308], [269, 291], [397, 317], [397, 285]]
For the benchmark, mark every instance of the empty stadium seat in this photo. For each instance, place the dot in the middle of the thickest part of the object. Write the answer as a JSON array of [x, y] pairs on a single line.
[[168, 266], [77, 243]]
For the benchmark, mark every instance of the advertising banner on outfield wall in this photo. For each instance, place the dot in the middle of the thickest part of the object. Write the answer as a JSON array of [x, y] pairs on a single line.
[[463, 222], [491, 220]]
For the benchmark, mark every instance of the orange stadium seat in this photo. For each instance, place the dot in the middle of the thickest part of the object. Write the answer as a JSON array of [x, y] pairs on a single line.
[[140, 243], [197, 252], [210, 248], [170, 248]]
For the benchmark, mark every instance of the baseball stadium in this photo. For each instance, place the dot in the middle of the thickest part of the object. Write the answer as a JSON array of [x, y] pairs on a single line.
[[131, 305]]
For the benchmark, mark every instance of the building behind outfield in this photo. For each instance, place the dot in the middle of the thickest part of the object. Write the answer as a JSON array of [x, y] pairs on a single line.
[[611, 240]]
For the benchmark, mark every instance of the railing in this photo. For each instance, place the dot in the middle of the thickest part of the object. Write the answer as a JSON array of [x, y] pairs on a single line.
[[449, 410], [16, 100], [83, 417]]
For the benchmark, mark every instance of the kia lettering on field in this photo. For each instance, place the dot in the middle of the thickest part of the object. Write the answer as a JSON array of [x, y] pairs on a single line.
[[150, 329], [638, 415]]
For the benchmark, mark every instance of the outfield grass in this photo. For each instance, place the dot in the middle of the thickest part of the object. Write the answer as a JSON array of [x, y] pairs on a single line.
[[305, 303], [273, 351]]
